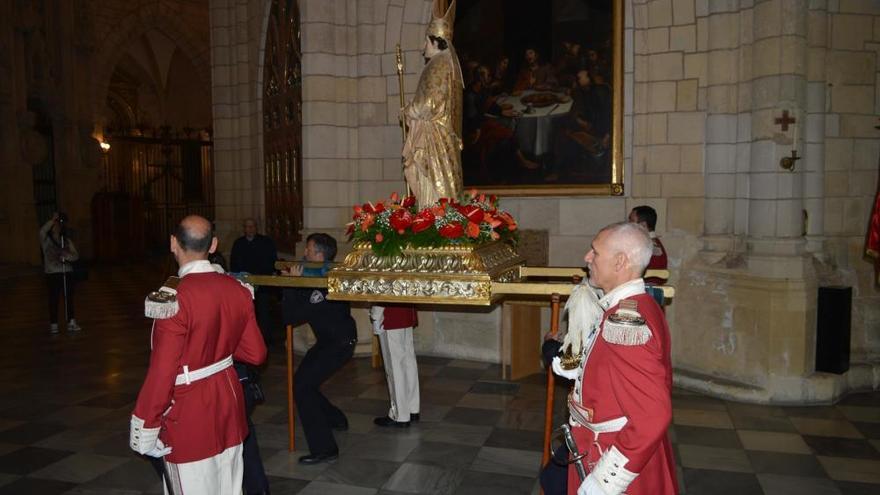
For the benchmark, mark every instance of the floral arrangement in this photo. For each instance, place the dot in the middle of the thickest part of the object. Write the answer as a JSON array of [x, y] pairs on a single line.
[[391, 225]]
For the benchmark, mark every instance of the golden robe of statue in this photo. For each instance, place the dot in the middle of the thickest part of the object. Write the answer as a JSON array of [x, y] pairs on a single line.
[[432, 151]]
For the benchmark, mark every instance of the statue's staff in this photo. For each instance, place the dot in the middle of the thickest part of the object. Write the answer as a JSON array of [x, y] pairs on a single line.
[[402, 105]]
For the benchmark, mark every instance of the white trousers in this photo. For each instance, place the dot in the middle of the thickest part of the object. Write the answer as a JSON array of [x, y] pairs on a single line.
[[218, 475], [401, 371]]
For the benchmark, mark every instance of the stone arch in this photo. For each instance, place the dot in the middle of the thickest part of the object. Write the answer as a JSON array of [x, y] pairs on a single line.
[[135, 24]]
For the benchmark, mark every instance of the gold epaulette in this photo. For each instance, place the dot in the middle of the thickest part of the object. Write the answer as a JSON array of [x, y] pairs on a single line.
[[162, 303], [626, 326]]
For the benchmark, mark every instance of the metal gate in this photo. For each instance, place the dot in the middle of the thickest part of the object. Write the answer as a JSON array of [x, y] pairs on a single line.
[[169, 174]]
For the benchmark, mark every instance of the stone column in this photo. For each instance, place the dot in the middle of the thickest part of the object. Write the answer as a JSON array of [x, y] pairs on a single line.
[[778, 83]]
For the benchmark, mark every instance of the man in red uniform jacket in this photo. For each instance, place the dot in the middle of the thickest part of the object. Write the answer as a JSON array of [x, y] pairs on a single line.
[[647, 217], [394, 327], [190, 408], [621, 406]]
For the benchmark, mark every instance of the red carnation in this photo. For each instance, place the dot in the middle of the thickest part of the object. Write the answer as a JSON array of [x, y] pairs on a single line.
[[452, 230], [379, 237], [423, 221], [408, 202], [400, 220]]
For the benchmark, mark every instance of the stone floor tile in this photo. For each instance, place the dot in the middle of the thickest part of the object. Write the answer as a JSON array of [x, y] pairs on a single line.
[[423, 478], [776, 484], [772, 441], [701, 417], [507, 461], [443, 454], [79, 467], [382, 447], [854, 488], [326, 487], [35, 486], [472, 416], [286, 465], [826, 427], [370, 473], [715, 458], [29, 459], [713, 482], [764, 423], [846, 469], [481, 483], [861, 413], [805, 466], [842, 447], [458, 433], [516, 439], [710, 437]]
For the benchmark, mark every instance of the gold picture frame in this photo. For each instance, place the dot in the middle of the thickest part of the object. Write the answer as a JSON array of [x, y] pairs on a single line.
[[517, 142]]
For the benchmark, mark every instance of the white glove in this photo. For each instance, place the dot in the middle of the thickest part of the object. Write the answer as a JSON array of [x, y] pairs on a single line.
[[564, 373], [160, 450], [140, 439], [609, 476], [377, 316], [590, 487]]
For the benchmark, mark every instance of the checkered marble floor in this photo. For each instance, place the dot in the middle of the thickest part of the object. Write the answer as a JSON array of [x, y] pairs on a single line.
[[66, 401]]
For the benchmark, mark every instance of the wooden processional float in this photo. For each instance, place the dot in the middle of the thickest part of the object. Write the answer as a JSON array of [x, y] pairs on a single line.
[[450, 275]]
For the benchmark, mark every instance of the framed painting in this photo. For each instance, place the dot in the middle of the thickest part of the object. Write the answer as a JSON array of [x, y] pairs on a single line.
[[543, 95]]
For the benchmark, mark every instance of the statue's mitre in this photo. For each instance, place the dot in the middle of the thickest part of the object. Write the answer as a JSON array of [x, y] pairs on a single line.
[[442, 24]]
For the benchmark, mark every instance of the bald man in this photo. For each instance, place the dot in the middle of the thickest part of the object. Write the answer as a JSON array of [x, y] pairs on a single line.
[[620, 405], [190, 408]]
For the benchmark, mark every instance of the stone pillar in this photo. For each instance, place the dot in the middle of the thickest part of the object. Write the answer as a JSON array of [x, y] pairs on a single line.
[[236, 81], [778, 83]]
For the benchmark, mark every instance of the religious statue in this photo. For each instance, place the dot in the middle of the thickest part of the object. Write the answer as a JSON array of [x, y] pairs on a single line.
[[432, 148]]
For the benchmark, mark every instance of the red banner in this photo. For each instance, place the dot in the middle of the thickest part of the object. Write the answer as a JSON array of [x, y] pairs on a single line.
[[872, 243]]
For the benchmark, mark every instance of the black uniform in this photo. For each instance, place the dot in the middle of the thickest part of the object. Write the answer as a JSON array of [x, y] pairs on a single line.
[[254, 480], [336, 333], [257, 256]]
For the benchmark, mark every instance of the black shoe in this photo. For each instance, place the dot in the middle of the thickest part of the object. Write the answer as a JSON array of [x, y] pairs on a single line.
[[386, 421], [414, 417], [319, 458], [341, 426]]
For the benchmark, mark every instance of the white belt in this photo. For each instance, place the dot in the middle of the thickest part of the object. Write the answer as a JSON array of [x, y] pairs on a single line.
[[609, 426], [188, 376]]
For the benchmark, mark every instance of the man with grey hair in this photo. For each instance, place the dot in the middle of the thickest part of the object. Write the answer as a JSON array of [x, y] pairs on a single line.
[[621, 403]]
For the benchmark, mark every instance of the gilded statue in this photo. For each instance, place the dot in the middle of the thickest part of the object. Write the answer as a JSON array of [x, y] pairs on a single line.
[[432, 150]]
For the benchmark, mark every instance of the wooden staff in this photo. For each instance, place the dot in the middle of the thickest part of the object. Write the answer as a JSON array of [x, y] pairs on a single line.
[[402, 104], [291, 427], [548, 407]]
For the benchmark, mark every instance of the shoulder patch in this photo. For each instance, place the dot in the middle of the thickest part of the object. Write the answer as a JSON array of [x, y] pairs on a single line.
[[162, 303], [626, 326], [316, 297]]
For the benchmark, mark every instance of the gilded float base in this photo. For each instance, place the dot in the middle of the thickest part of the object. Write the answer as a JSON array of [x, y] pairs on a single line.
[[445, 275]]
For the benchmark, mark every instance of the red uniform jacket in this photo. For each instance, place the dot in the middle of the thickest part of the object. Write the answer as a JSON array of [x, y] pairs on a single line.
[[204, 418], [399, 317], [633, 381], [659, 261]]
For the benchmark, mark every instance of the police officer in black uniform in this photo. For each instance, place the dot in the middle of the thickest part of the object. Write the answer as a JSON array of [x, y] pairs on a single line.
[[336, 335]]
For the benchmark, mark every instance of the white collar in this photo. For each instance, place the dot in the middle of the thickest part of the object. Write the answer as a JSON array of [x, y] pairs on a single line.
[[631, 288], [198, 266]]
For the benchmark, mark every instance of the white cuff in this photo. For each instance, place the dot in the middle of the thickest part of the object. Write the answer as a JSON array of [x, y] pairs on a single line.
[[609, 474], [140, 439], [571, 374]]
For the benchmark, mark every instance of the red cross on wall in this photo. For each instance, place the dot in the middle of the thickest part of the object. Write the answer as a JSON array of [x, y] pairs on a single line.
[[784, 120]]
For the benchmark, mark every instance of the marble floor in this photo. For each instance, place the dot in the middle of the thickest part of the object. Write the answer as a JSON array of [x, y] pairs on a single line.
[[66, 402]]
